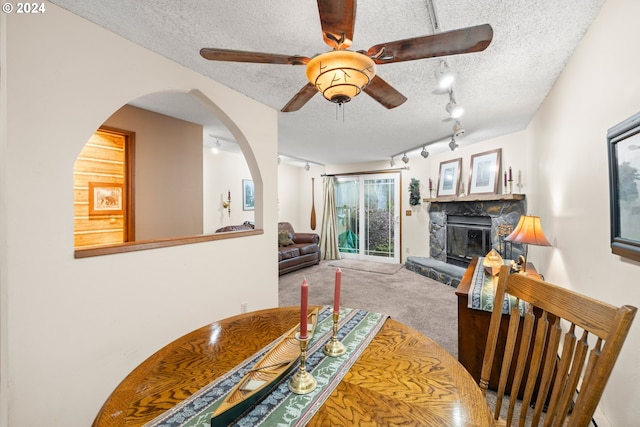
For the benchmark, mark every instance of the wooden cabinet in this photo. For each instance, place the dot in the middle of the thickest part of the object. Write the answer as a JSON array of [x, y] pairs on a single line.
[[473, 328]]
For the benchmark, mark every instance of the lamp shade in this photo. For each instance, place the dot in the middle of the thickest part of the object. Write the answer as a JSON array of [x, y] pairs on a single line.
[[340, 74], [528, 231]]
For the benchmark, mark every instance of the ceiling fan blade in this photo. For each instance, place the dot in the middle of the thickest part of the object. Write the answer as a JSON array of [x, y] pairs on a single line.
[[337, 18], [384, 93], [255, 57], [465, 40], [299, 99]]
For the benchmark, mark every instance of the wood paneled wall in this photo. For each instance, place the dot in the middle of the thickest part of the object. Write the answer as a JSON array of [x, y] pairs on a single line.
[[103, 160]]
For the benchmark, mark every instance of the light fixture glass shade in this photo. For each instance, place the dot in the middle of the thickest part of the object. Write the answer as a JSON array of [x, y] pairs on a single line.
[[340, 74], [529, 232]]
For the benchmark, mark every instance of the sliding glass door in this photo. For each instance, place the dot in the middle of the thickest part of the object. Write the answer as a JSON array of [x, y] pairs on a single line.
[[368, 211]]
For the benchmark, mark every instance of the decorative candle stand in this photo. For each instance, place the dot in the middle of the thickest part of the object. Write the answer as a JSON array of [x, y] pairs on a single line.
[[302, 382], [334, 347]]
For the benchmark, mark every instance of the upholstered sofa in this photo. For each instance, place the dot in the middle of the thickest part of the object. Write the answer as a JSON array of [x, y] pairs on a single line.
[[296, 250]]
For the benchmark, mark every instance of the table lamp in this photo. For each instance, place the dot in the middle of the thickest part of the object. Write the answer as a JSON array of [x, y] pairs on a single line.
[[528, 232]]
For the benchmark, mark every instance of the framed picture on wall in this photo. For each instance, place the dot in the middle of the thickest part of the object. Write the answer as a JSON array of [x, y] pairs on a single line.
[[105, 198], [247, 195], [484, 173], [623, 142], [449, 178]]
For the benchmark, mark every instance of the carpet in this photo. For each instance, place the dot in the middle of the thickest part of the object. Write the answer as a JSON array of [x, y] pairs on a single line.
[[368, 266]]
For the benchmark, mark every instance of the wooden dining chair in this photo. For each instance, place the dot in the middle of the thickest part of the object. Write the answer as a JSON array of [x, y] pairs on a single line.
[[577, 340]]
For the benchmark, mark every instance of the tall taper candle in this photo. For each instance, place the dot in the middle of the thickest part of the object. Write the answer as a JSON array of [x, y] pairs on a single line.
[[505, 179], [304, 305], [510, 176], [336, 292]]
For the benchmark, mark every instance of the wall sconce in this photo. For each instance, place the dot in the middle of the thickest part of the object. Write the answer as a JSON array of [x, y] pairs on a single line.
[[227, 204]]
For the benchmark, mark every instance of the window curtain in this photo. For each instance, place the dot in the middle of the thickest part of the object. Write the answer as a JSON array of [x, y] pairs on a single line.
[[329, 230]]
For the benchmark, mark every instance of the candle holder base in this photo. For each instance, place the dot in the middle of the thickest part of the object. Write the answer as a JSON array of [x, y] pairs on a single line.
[[334, 348], [302, 382]]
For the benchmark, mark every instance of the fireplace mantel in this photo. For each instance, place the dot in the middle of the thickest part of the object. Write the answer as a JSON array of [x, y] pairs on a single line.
[[476, 198]]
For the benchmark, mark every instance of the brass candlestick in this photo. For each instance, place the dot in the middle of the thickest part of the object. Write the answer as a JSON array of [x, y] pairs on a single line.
[[334, 347], [302, 382]]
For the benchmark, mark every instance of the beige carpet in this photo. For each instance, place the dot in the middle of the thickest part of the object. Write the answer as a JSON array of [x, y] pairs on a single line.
[[368, 266]]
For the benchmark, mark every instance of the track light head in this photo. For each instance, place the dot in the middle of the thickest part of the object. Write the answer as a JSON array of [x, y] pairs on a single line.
[[452, 144], [307, 166], [405, 158], [424, 153], [458, 130], [392, 163], [444, 76]]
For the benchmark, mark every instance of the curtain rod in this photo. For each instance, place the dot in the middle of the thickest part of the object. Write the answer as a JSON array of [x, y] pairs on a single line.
[[367, 172]]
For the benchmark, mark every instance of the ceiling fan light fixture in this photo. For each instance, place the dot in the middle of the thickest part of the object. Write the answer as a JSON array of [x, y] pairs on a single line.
[[340, 74], [424, 153]]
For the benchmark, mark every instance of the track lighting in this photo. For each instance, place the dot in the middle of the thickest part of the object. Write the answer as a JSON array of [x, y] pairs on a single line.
[[454, 110], [392, 163], [424, 153], [279, 159], [307, 166], [444, 76], [405, 158], [452, 144], [458, 130]]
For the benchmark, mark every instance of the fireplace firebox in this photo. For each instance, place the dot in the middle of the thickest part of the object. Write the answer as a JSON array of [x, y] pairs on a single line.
[[467, 237]]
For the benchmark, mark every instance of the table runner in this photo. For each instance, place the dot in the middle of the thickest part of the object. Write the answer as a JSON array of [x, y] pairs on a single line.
[[281, 407], [483, 290]]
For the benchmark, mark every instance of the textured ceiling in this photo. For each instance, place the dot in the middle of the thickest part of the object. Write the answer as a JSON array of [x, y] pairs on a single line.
[[500, 88]]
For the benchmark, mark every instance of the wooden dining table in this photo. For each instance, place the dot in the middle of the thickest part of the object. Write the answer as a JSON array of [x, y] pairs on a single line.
[[402, 378]]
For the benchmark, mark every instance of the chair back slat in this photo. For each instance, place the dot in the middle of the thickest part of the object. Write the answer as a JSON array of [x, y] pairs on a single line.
[[555, 333], [539, 338], [534, 367]]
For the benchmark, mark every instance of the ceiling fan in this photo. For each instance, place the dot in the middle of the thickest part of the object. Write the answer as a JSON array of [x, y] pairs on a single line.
[[341, 74]]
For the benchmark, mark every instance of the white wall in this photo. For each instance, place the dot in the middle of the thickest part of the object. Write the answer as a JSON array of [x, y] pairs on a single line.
[[223, 174], [599, 88], [72, 329]]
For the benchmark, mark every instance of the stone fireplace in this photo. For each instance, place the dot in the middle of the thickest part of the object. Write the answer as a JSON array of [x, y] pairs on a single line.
[[461, 229], [465, 227]]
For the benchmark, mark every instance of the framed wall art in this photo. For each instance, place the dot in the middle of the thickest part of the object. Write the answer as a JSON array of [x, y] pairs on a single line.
[[449, 177], [484, 174], [623, 142], [247, 195], [105, 198]]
